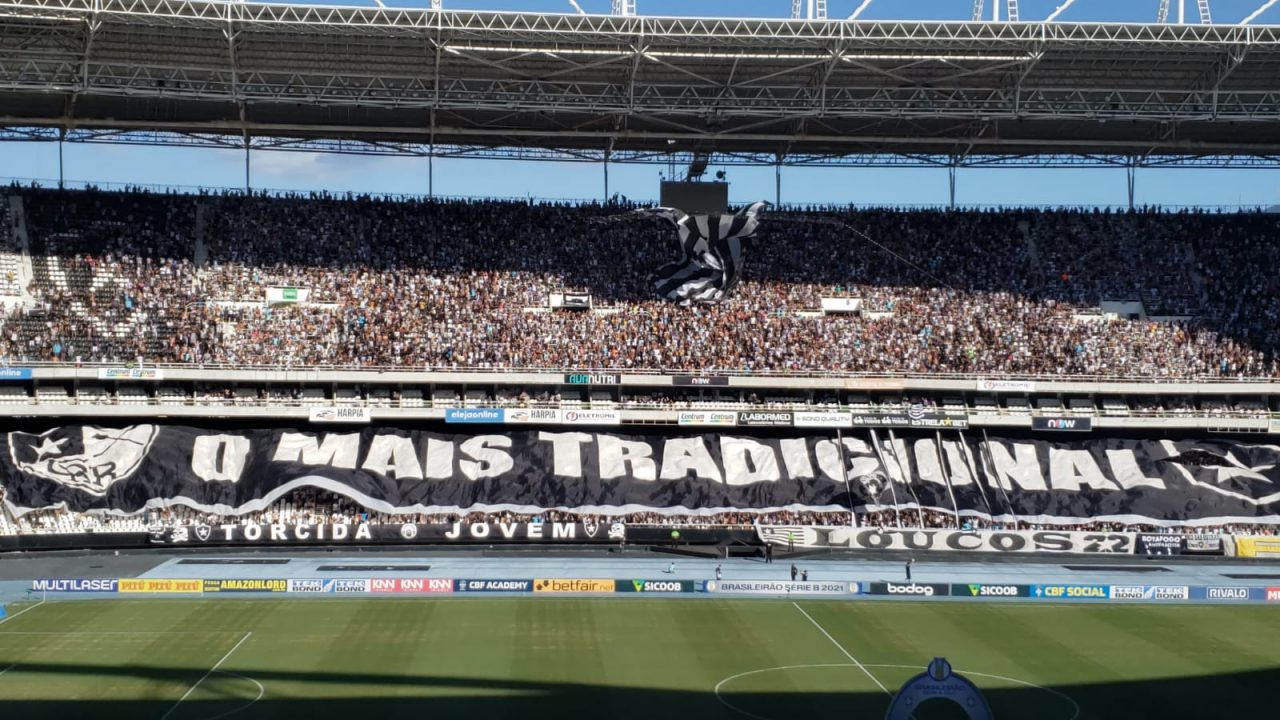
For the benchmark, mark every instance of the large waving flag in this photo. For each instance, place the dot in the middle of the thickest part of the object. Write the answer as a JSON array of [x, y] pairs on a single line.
[[712, 246]]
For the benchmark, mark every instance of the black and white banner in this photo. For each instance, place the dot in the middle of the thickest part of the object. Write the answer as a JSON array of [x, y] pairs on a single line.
[[1160, 544], [481, 533], [129, 469], [371, 533], [1207, 543], [1179, 544], [998, 541], [712, 249]]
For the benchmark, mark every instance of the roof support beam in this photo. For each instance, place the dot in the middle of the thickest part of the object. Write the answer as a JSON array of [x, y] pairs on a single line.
[[706, 81], [91, 30], [412, 149], [727, 81], [633, 73], [232, 35], [1223, 69], [821, 85], [600, 137], [437, 43]]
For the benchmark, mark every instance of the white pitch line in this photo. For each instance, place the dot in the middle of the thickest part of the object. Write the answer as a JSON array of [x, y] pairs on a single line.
[[2, 672], [118, 632], [261, 692], [1074, 715], [847, 654], [213, 669], [7, 618], [731, 678]]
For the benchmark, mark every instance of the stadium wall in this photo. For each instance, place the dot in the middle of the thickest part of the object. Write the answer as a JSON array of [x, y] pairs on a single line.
[[227, 587]]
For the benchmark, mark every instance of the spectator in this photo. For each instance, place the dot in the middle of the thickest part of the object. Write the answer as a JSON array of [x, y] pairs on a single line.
[[313, 506], [408, 283]]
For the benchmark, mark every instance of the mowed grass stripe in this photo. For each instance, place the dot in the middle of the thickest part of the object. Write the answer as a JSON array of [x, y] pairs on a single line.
[[1104, 657], [335, 649], [1049, 646], [1200, 637], [792, 677], [81, 667], [434, 642], [873, 638], [1189, 643], [17, 610], [728, 638], [708, 642], [171, 665], [633, 648], [997, 638], [520, 658]]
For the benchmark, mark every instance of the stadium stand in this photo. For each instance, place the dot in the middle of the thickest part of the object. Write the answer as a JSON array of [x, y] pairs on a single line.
[[379, 282], [364, 282]]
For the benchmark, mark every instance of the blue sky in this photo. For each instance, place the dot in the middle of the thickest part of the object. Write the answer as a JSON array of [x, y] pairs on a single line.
[[487, 178]]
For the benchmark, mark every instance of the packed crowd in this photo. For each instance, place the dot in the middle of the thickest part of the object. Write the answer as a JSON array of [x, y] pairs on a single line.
[[311, 506], [180, 278]]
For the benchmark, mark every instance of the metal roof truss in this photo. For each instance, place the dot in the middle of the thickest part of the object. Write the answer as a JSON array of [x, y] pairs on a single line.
[[587, 83]]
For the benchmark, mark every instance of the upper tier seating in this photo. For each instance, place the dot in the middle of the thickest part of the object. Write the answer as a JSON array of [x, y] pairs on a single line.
[[465, 284]]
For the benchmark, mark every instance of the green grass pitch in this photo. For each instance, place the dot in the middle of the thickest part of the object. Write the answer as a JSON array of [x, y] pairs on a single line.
[[640, 659]]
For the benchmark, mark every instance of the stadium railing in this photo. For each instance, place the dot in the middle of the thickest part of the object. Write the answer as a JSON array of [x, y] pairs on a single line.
[[392, 404], [656, 372]]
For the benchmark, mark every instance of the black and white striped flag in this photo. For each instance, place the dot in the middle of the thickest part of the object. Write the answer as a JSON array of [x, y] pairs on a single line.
[[712, 246]]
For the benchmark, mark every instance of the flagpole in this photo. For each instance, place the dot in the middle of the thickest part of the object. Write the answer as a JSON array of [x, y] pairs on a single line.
[[844, 473], [946, 476], [875, 444], [991, 468], [905, 471], [978, 479]]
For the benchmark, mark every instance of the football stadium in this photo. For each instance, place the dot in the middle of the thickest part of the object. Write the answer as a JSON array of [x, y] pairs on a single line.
[[330, 454]]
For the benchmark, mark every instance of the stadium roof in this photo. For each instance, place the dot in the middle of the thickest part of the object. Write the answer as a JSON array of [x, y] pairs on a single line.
[[408, 80]]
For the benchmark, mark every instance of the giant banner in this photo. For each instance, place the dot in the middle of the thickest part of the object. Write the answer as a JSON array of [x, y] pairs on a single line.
[[988, 541], [133, 468], [369, 533]]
